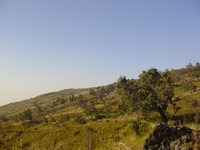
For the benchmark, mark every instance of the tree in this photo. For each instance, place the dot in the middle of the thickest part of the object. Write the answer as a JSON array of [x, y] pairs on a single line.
[[110, 88], [26, 115], [92, 92], [4, 118], [127, 89], [153, 92], [61, 100], [197, 64], [189, 65], [157, 91], [72, 98], [99, 94], [38, 109], [88, 105], [81, 101], [188, 85]]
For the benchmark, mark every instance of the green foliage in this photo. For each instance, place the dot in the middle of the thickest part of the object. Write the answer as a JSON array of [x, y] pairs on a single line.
[[72, 98], [88, 105], [64, 118], [152, 92], [98, 118], [45, 120], [89, 136], [42, 100], [80, 119], [26, 115], [99, 95], [61, 100], [54, 104], [188, 85], [52, 118], [139, 127], [195, 71], [194, 103], [4, 118], [197, 117], [189, 65], [39, 109], [127, 89]]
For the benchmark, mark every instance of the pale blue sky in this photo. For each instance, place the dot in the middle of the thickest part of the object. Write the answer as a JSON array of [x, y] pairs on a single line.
[[49, 45]]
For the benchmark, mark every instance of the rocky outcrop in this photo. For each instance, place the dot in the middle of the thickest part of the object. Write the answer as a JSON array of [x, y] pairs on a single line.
[[164, 137]]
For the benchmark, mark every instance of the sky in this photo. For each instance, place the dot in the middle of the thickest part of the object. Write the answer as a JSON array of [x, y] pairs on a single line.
[[49, 45]]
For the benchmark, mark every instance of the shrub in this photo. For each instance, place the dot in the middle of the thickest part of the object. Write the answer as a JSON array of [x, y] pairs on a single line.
[[79, 119], [64, 118]]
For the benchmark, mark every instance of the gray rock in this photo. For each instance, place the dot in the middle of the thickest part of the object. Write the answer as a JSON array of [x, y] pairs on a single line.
[[164, 137]]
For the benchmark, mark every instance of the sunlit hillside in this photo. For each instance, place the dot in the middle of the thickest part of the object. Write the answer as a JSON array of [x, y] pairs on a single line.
[[97, 118]]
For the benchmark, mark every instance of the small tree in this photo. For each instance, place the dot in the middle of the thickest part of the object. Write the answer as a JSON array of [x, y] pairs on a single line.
[[80, 119], [26, 115], [88, 105], [127, 89], [188, 85], [197, 64], [4, 118], [61, 100], [99, 94], [189, 65], [72, 98], [39, 109]]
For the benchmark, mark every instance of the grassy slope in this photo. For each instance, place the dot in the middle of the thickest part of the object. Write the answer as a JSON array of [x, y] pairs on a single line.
[[100, 134], [45, 99]]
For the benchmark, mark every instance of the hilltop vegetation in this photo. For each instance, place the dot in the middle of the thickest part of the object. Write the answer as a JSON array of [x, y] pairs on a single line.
[[100, 118], [17, 107]]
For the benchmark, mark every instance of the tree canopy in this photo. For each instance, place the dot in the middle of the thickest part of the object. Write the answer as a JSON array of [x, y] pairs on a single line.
[[152, 92]]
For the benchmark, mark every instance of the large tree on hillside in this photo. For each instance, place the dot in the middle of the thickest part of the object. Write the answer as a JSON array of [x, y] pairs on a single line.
[[152, 92]]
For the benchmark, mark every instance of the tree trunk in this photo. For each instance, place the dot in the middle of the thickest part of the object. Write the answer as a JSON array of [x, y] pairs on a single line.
[[163, 116]]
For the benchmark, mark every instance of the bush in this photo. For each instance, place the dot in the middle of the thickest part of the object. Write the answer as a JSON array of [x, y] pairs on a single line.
[[139, 127], [79, 119], [4, 118], [64, 118]]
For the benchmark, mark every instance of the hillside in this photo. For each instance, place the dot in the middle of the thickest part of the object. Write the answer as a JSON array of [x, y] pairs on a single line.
[[102, 117], [17, 107]]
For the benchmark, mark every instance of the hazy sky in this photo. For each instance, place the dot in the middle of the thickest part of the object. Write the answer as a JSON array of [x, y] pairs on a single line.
[[50, 45]]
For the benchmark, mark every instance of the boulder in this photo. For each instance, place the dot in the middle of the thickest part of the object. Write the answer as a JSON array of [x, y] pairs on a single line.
[[164, 137]]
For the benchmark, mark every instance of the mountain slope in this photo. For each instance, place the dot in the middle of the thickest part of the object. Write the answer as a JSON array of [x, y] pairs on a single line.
[[45, 99], [92, 119]]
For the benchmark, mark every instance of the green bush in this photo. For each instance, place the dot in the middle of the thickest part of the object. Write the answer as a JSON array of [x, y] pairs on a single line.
[[64, 118], [139, 127], [80, 119]]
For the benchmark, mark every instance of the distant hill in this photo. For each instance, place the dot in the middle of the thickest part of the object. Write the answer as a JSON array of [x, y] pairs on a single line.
[[45, 99], [185, 80]]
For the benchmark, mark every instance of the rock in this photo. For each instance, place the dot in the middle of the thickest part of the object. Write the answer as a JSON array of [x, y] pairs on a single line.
[[164, 137], [190, 141]]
